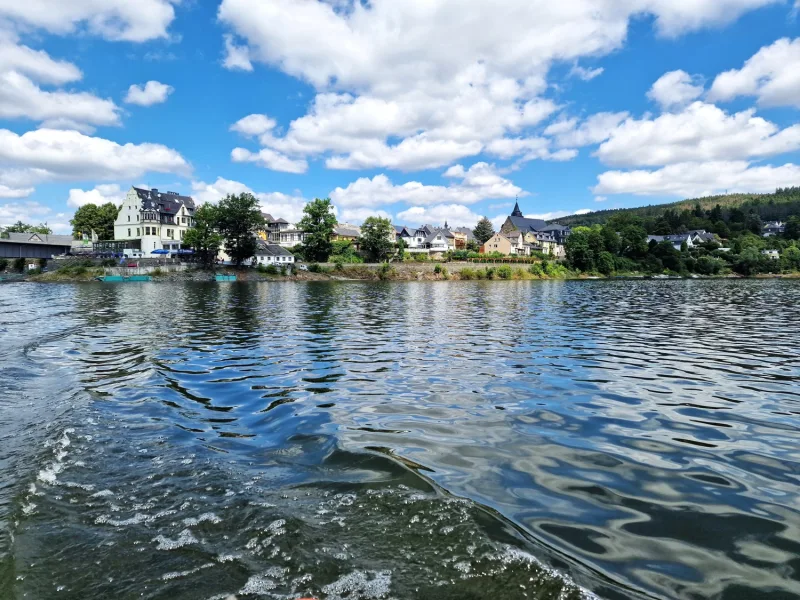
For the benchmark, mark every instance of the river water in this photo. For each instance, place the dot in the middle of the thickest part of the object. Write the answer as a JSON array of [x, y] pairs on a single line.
[[462, 440]]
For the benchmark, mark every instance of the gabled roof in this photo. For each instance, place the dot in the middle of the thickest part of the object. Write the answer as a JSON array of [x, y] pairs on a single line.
[[426, 229], [443, 232], [265, 249], [401, 229], [347, 230], [167, 202], [282, 221], [466, 231], [37, 238], [525, 224], [267, 217]]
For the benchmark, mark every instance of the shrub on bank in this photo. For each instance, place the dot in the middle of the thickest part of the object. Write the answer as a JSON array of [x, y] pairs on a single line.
[[504, 272], [3, 264], [386, 271]]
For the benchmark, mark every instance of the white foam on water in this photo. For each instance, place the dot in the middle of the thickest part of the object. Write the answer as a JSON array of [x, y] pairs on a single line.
[[360, 585], [179, 574], [210, 517], [258, 586], [185, 538], [28, 509]]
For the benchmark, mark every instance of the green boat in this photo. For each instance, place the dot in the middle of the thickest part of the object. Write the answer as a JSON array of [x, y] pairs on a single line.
[[225, 277]]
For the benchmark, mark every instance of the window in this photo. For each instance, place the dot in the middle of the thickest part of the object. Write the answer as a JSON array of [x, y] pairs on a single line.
[[137, 232], [147, 231], [129, 218], [129, 232], [183, 220]]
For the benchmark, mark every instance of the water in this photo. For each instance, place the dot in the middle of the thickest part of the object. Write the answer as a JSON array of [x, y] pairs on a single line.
[[463, 440]]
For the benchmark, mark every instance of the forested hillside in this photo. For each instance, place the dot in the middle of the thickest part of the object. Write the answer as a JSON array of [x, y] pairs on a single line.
[[784, 203]]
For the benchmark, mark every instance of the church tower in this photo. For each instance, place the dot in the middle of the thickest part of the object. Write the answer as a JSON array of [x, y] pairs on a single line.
[[517, 212]]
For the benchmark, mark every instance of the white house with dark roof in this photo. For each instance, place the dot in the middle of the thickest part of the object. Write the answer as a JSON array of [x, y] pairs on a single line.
[[151, 220], [273, 254]]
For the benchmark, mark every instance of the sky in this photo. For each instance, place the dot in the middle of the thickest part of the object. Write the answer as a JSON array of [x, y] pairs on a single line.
[[423, 111]]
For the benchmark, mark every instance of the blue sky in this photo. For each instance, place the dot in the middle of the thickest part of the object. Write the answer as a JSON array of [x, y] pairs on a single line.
[[421, 110]]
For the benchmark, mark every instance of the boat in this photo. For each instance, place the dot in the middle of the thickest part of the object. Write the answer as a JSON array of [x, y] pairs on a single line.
[[225, 277]]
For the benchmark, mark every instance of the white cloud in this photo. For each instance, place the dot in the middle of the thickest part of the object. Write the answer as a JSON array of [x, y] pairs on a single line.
[[690, 179], [557, 214], [357, 215], [600, 198], [11, 192], [237, 58], [253, 125], [153, 92], [530, 149], [270, 159], [583, 211], [22, 98], [36, 64], [772, 75], [456, 215], [279, 205], [48, 154], [479, 182], [416, 85], [27, 212], [101, 194], [112, 19], [593, 130], [702, 132], [676, 89], [584, 73]]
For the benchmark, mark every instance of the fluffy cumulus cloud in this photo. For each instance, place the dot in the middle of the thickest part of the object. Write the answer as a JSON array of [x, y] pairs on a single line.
[[237, 58], [36, 64], [686, 180], [592, 130], [153, 92], [279, 205], [772, 75], [253, 125], [480, 182], [101, 194], [415, 85], [702, 132], [675, 89], [112, 19], [270, 159], [456, 215], [49, 154], [27, 212]]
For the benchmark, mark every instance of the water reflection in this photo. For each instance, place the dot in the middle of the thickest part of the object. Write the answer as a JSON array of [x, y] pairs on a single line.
[[637, 436]]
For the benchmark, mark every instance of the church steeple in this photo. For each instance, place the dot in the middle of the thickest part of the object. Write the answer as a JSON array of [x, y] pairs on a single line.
[[516, 212]]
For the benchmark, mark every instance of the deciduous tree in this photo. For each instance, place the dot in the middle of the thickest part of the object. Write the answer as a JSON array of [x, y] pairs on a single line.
[[376, 238], [317, 223], [238, 219], [203, 236]]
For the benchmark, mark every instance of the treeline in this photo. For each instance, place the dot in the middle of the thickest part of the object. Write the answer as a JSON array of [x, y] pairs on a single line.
[[621, 245], [785, 202]]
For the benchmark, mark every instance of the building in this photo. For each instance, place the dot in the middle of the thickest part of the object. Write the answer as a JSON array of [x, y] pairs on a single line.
[[499, 242], [272, 228], [273, 254], [773, 228], [440, 240], [773, 254], [289, 238], [346, 232], [34, 245], [418, 237], [151, 220], [516, 221], [677, 240]]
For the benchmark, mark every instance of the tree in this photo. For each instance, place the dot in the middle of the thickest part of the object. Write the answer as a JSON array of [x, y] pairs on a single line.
[[473, 246], [99, 219], [377, 238], [605, 263], [401, 248], [579, 253], [483, 230], [318, 222], [203, 237], [238, 219], [633, 241], [792, 230], [20, 227]]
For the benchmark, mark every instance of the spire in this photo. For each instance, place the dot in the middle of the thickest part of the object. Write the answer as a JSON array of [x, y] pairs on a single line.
[[516, 212], [445, 224]]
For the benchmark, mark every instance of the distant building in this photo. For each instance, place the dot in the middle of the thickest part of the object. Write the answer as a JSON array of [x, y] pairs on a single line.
[[272, 228], [516, 221], [273, 254], [773, 254], [289, 238], [499, 242], [346, 232], [151, 220], [677, 240], [34, 245], [773, 228]]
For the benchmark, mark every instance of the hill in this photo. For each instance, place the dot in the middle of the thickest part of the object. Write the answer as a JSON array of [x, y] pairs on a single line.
[[784, 203]]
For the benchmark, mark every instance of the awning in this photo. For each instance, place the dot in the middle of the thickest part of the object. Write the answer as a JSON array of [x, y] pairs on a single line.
[[161, 251]]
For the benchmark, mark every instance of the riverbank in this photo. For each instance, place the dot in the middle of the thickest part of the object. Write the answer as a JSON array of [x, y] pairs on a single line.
[[373, 272]]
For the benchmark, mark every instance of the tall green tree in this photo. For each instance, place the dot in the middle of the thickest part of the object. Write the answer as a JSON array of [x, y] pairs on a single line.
[[578, 249], [317, 223], [99, 219], [203, 236], [376, 238], [792, 230], [238, 219], [20, 227], [483, 230]]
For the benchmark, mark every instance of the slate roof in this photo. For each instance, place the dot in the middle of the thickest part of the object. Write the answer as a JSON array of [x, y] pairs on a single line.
[[525, 224], [347, 230], [443, 232], [466, 231], [164, 202], [554, 227], [399, 229], [42, 239], [265, 249]]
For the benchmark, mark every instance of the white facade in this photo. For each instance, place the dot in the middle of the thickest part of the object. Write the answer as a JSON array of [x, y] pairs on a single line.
[[158, 220]]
